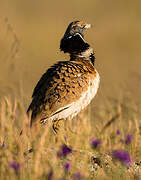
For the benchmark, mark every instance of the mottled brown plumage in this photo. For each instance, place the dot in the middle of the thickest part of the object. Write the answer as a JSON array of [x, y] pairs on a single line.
[[68, 86]]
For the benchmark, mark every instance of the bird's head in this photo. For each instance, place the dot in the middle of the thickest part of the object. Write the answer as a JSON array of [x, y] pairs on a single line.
[[76, 27], [73, 38]]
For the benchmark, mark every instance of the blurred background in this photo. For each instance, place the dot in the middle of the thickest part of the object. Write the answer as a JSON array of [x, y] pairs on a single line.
[[30, 33]]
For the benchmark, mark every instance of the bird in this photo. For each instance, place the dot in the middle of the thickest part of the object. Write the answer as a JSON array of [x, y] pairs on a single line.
[[68, 86]]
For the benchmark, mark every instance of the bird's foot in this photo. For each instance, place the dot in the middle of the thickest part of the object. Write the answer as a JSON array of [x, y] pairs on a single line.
[[56, 125]]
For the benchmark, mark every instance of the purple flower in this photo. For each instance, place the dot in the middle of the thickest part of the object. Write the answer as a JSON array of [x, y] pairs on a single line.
[[64, 151], [95, 143], [77, 176], [67, 166], [65, 137], [128, 139], [50, 175], [3, 144], [122, 156], [15, 165], [118, 132]]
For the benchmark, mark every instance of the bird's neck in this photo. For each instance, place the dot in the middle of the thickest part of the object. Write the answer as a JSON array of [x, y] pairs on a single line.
[[87, 55], [76, 46]]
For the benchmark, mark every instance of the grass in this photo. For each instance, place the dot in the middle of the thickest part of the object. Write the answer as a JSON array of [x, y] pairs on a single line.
[[91, 162]]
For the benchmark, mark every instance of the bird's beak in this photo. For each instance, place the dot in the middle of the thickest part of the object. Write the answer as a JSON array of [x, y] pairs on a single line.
[[87, 26]]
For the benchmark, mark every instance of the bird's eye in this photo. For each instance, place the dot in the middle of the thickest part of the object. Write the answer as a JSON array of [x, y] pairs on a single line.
[[74, 27]]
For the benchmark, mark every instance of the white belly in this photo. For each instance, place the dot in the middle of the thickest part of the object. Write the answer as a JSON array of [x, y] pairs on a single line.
[[75, 107]]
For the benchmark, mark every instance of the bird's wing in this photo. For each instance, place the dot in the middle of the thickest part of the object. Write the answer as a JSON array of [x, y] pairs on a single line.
[[62, 84]]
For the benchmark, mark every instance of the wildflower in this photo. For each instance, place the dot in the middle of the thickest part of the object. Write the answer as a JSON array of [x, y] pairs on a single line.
[[3, 144], [50, 175], [65, 137], [128, 139], [67, 166], [118, 132], [95, 143], [15, 166], [64, 151], [77, 176], [122, 156]]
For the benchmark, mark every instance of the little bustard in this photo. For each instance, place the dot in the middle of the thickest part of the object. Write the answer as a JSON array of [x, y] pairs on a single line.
[[67, 87]]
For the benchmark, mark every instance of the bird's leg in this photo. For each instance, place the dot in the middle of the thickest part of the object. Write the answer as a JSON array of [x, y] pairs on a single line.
[[56, 129], [56, 125]]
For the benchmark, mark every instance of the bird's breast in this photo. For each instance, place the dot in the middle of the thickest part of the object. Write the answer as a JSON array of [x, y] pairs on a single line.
[[88, 95]]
